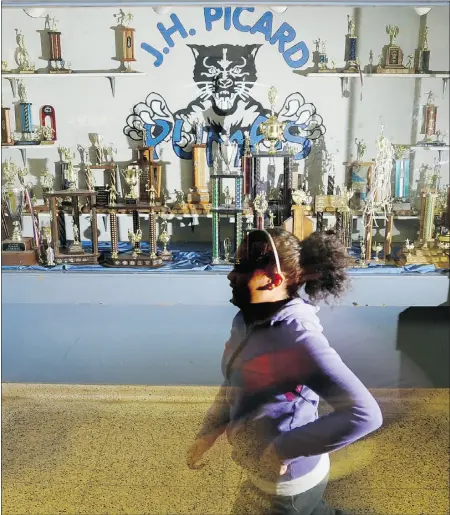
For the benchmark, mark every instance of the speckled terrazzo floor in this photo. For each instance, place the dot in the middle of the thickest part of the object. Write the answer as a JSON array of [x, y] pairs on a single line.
[[121, 450]]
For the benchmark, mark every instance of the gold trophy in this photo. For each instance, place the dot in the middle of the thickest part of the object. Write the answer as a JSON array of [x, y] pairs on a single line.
[[393, 54], [272, 129], [124, 40], [22, 58], [164, 238], [422, 55], [131, 176]]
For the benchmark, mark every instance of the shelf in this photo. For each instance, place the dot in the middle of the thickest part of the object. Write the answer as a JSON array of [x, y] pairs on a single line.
[[111, 76], [431, 147], [344, 77], [437, 75], [23, 149]]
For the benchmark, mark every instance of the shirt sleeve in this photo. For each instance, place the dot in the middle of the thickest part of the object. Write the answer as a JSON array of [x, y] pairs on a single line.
[[355, 411]]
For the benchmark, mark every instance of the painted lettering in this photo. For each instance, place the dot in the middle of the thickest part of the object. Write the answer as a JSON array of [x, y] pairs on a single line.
[[236, 18], [159, 57], [211, 15], [291, 137], [227, 21], [285, 34], [303, 59], [264, 25], [176, 27]]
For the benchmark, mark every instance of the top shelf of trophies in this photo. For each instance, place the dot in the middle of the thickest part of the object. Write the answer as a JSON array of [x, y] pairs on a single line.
[[110, 75], [342, 75]]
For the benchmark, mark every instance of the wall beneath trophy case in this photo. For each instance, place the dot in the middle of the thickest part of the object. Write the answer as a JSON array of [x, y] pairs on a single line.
[[177, 57]]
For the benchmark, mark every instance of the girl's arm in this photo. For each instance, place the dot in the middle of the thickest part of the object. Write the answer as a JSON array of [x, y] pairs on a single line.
[[217, 417], [355, 415]]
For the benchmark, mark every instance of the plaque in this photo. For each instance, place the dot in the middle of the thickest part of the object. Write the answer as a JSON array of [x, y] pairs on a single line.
[[102, 195], [131, 201], [48, 119], [393, 55], [13, 246]]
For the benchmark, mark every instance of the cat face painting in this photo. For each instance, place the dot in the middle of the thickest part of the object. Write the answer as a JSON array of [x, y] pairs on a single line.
[[224, 74]]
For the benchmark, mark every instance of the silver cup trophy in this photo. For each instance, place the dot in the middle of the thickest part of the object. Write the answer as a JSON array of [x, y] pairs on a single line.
[[14, 202]]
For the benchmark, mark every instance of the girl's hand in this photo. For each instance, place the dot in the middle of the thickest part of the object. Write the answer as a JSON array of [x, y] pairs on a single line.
[[196, 452], [271, 462]]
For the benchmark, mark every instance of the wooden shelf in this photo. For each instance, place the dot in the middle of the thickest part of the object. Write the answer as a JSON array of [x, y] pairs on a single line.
[[110, 75]]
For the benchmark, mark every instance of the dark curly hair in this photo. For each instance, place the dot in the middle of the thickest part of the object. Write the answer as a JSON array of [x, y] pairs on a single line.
[[319, 262]]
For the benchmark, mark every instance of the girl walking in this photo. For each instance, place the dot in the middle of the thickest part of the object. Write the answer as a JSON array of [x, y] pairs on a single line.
[[277, 364]]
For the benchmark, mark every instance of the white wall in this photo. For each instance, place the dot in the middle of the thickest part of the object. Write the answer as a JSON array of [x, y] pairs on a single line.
[[85, 105]]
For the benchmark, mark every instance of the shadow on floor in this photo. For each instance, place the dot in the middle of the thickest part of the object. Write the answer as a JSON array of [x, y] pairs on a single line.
[[423, 336]]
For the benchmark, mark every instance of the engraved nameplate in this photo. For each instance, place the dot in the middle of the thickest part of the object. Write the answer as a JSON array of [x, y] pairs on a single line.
[[13, 246], [131, 201]]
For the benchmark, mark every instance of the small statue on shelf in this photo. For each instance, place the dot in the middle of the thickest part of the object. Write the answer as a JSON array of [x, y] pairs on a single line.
[[22, 57], [361, 148], [377, 248], [227, 249], [112, 194], [271, 220], [90, 180], [227, 197], [179, 195], [123, 19], [76, 233], [50, 256], [164, 238], [409, 63]]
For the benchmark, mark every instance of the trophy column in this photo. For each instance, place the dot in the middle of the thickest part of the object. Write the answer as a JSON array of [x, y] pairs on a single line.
[[215, 220], [246, 164], [238, 218], [7, 138], [388, 235], [114, 234], [136, 227], [287, 187], [26, 121], [200, 194]]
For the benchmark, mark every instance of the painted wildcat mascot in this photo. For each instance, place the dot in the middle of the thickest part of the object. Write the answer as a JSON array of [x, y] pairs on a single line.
[[225, 76]]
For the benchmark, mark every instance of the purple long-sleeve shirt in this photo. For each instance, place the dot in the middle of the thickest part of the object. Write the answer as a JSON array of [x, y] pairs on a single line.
[[272, 392]]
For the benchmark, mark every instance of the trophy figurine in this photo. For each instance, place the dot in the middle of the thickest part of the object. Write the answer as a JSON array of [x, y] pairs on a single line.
[[50, 254], [323, 59], [47, 180], [22, 58], [393, 54], [361, 148], [260, 205], [56, 63], [377, 248], [272, 129], [350, 47], [271, 220], [131, 176], [76, 247], [124, 40], [135, 239], [97, 142], [227, 249], [422, 55], [112, 194], [164, 238], [5, 67], [199, 129]]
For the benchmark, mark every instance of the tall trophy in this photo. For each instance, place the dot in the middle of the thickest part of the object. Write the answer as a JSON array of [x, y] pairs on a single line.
[[7, 135], [16, 250], [22, 58], [26, 120], [68, 172], [56, 62], [350, 47], [429, 122], [422, 55], [393, 54], [124, 40], [272, 128]]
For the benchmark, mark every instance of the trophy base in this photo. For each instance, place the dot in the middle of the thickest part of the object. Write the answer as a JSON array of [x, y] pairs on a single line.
[[45, 142], [27, 142], [26, 71], [130, 261], [400, 69], [6, 144], [197, 197], [75, 248], [166, 256], [429, 143], [427, 256], [326, 70], [21, 258], [226, 262], [76, 259], [26, 244]]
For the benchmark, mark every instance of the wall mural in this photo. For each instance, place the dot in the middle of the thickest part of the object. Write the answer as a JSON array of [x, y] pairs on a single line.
[[225, 76]]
